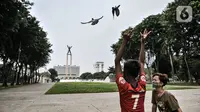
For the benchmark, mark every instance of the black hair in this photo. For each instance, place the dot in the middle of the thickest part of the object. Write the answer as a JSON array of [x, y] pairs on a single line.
[[131, 68], [162, 77]]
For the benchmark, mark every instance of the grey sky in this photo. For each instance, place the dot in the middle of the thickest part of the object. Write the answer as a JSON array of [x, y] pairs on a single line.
[[61, 19]]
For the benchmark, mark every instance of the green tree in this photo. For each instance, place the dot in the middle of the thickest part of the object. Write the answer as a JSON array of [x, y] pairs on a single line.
[[100, 75], [111, 70], [86, 75], [23, 43], [185, 35], [53, 75], [172, 43]]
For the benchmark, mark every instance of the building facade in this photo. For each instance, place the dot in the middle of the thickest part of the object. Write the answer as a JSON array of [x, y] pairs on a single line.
[[99, 66], [75, 72], [45, 77]]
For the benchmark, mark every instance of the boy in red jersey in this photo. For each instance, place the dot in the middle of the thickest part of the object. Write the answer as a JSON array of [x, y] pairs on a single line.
[[132, 83]]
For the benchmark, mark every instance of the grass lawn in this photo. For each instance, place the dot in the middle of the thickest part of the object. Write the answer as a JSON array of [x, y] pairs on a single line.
[[96, 87]]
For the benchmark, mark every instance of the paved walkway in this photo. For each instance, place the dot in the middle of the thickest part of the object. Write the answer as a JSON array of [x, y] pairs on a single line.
[[31, 98]]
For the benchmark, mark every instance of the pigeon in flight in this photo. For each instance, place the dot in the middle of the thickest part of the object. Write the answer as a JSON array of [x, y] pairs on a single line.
[[115, 10], [93, 21]]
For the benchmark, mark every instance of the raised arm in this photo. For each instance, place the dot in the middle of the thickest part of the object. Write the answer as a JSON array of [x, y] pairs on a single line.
[[153, 101], [179, 110], [126, 38], [142, 53]]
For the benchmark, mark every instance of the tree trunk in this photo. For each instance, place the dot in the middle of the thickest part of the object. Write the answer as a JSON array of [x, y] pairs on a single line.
[[15, 75], [32, 79], [16, 68], [18, 75], [9, 68], [13, 80], [5, 80], [25, 74], [185, 59], [31, 76], [156, 70], [22, 75], [188, 70], [149, 72], [4, 75], [171, 61], [157, 62], [36, 76]]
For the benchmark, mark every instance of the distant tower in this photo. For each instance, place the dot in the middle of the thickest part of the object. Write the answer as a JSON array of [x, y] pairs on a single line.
[[69, 53], [102, 65], [99, 65]]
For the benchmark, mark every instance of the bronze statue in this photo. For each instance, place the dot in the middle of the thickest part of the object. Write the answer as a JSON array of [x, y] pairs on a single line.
[[69, 50]]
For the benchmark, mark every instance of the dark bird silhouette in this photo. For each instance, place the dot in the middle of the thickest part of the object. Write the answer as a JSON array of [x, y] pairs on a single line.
[[115, 10], [93, 21]]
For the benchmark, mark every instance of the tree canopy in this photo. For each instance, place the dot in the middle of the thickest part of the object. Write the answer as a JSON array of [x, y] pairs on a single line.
[[174, 45], [24, 46]]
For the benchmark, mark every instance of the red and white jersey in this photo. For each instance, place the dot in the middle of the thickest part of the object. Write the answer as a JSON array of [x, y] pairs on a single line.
[[131, 99]]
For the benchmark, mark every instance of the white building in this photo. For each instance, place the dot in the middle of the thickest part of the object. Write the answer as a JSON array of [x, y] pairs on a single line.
[[62, 72], [45, 77]]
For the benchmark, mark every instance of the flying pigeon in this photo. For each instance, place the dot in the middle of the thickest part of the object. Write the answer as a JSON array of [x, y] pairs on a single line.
[[93, 21], [115, 10]]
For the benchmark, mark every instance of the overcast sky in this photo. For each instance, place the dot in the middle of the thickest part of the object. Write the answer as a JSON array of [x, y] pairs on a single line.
[[61, 19]]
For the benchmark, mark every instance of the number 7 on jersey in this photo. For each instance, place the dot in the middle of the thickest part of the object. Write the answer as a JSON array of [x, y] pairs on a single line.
[[136, 97]]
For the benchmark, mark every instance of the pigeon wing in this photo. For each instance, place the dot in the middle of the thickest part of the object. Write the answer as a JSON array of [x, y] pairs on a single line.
[[86, 22], [113, 11], [118, 6], [100, 17], [117, 12]]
